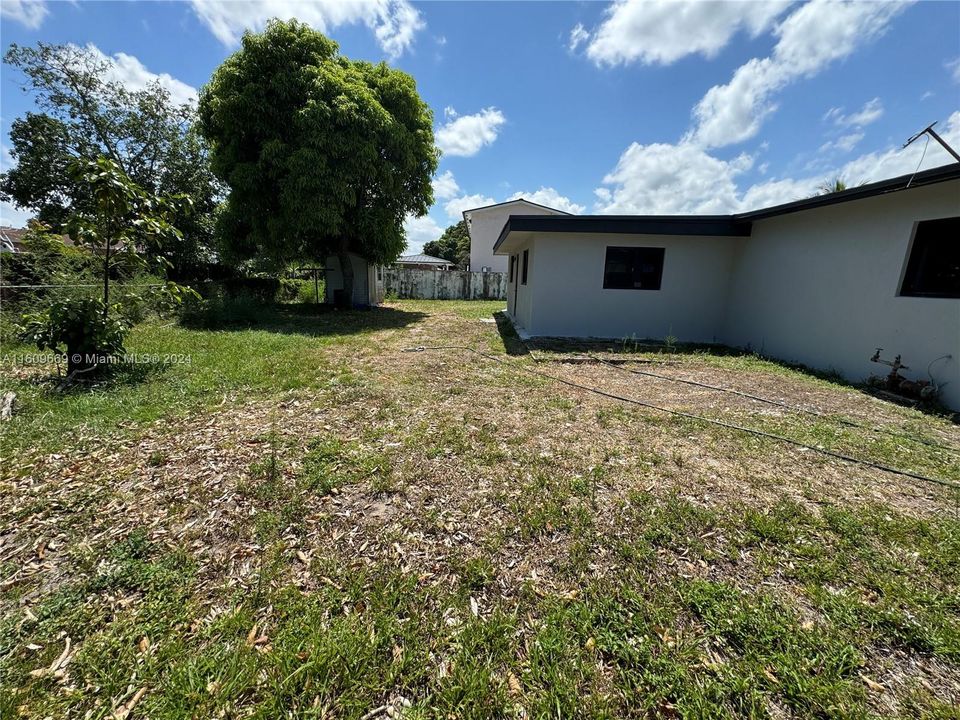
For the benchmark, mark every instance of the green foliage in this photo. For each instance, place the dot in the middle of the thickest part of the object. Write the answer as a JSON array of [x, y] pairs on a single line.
[[321, 154], [123, 215], [84, 114], [80, 327], [453, 245], [45, 261]]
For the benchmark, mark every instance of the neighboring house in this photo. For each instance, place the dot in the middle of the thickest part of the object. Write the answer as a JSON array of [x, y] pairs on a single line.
[[424, 262], [11, 239], [367, 281], [823, 281], [484, 225]]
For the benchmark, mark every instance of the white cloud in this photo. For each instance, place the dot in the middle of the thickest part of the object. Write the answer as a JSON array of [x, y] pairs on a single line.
[[684, 178], [464, 135], [578, 35], [869, 113], [133, 75], [551, 198], [844, 143], [663, 179], [456, 206], [810, 38], [395, 23], [419, 231], [664, 32], [954, 67], [29, 13], [445, 186]]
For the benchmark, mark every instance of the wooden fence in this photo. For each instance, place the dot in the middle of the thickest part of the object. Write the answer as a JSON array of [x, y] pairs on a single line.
[[444, 284]]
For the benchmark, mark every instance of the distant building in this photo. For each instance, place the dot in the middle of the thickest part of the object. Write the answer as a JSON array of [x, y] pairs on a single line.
[[484, 225], [424, 262], [11, 239]]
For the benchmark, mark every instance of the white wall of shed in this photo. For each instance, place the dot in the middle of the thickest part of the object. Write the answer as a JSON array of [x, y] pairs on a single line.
[[364, 293]]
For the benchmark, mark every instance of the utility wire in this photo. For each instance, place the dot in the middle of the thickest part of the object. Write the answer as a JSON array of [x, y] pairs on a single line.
[[79, 285], [691, 416], [779, 403]]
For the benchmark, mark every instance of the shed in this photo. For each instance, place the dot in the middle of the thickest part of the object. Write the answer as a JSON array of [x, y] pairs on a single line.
[[367, 281]]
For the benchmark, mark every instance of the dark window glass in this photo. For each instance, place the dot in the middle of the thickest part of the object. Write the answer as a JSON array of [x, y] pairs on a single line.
[[513, 266], [523, 270], [633, 268], [933, 269]]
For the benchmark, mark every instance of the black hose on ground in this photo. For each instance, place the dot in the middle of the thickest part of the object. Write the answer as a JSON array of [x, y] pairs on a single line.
[[779, 403], [691, 416]]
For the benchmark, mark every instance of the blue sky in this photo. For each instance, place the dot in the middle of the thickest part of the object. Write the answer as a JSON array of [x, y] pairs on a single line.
[[653, 107]]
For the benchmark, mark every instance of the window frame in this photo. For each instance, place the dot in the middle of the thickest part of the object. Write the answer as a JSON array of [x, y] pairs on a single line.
[[913, 265], [524, 270], [661, 252]]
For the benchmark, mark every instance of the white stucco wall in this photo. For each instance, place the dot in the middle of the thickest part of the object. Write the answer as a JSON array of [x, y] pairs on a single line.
[[820, 287], [519, 296], [485, 226], [569, 298]]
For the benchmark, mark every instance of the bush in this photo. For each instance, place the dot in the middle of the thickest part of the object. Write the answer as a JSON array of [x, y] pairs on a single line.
[[307, 292], [219, 309], [262, 289], [46, 261], [78, 326]]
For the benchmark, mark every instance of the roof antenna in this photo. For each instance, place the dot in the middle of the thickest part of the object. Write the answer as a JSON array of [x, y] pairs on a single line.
[[930, 133], [933, 133]]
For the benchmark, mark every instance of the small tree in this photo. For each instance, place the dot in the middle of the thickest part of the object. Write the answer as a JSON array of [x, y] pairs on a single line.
[[322, 155], [453, 245], [82, 112], [124, 224]]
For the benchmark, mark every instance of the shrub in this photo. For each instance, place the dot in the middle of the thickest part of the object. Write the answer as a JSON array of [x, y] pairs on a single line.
[[307, 292], [81, 327], [262, 289], [46, 261]]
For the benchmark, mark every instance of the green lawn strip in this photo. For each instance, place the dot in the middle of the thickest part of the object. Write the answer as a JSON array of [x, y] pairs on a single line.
[[278, 350], [643, 641]]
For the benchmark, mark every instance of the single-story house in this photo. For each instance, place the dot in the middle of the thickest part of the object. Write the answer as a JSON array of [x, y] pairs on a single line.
[[484, 225], [824, 281], [367, 281], [424, 262]]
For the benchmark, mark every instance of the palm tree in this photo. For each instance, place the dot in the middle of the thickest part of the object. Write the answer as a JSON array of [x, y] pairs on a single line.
[[837, 185]]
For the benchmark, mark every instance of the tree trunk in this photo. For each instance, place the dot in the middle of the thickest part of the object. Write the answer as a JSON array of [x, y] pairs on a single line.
[[106, 277], [346, 272]]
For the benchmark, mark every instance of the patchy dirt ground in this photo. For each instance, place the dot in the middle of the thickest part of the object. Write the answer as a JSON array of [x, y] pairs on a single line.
[[483, 481]]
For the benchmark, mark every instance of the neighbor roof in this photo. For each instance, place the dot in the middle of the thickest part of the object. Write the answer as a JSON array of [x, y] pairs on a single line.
[[738, 224], [422, 260], [510, 202]]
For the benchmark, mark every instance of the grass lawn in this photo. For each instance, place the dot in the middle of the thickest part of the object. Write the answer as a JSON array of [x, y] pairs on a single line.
[[305, 520]]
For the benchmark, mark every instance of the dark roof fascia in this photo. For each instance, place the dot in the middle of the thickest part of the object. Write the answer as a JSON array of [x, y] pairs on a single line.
[[882, 187], [738, 225], [711, 225]]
